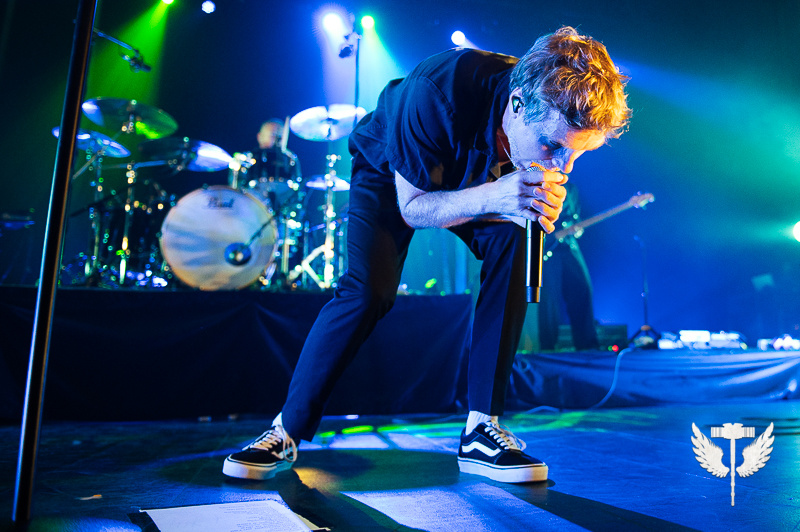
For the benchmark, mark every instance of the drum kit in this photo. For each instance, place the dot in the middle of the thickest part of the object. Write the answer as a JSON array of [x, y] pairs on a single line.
[[257, 231]]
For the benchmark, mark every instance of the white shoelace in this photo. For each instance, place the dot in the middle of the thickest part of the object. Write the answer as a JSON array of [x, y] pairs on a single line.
[[276, 436], [504, 436]]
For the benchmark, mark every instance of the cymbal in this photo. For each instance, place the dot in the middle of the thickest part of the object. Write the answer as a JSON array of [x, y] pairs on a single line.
[[326, 123], [320, 182], [194, 155], [117, 113], [94, 141]]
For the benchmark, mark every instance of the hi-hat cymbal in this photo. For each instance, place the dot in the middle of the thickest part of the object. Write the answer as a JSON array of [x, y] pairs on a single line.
[[322, 182], [118, 113], [194, 155], [94, 141], [326, 123]]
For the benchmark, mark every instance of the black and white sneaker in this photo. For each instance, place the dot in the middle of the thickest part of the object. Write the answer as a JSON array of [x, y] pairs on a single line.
[[271, 452], [493, 451]]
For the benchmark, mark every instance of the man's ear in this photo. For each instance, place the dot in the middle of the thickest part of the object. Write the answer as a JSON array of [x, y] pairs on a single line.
[[516, 103]]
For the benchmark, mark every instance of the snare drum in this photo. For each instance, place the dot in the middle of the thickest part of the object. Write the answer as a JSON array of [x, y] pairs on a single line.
[[218, 238]]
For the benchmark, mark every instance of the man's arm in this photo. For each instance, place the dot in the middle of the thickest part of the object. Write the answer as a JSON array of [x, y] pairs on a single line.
[[536, 196]]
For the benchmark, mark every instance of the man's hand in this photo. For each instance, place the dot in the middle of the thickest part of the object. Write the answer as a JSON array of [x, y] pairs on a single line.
[[534, 194], [529, 194]]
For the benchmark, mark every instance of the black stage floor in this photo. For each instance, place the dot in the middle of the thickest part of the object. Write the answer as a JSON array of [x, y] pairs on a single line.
[[611, 469]]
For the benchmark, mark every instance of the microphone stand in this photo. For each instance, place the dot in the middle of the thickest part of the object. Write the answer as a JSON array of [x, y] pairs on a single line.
[[357, 83], [51, 257], [646, 337], [136, 61]]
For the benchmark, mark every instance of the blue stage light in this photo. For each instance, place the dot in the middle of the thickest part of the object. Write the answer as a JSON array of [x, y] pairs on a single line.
[[208, 6], [458, 38]]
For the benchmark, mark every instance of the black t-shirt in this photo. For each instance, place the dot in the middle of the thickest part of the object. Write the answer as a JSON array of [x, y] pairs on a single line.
[[436, 127]]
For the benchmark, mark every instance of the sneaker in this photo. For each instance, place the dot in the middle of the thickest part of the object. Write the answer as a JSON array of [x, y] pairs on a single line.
[[493, 451], [271, 452]]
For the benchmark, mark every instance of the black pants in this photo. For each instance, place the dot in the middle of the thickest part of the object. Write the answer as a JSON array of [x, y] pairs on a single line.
[[377, 246]]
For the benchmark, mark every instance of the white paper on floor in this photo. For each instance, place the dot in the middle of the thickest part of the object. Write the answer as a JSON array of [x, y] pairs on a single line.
[[249, 516]]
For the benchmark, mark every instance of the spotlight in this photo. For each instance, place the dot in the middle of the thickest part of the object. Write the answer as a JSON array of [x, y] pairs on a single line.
[[333, 23], [168, 2], [367, 22], [208, 6], [458, 38], [796, 231]]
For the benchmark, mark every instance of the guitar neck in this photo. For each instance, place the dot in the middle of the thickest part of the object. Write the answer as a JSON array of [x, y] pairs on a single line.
[[597, 218]]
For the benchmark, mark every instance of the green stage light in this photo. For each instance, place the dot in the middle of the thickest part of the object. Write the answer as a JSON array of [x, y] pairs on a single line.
[[109, 76], [363, 429], [367, 22]]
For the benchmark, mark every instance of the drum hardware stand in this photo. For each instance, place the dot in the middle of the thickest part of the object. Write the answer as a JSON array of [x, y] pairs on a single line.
[[92, 267], [290, 225], [128, 127], [240, 163], [125, 252], [286, 248], [340, 235], [327, 248]]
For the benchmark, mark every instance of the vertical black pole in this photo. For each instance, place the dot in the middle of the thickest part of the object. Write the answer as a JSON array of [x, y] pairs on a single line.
[[48, 277]]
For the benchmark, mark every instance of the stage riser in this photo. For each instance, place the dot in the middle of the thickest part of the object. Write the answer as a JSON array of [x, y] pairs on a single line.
[[647, 377], [129, 355]]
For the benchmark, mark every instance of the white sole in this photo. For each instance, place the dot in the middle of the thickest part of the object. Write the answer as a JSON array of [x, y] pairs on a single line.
[[513, 475], [232, 468]]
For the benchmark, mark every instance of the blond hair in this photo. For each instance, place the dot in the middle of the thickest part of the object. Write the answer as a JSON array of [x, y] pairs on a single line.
[[574, 75]]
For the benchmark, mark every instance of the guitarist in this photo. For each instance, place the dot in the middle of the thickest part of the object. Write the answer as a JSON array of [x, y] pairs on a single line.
[[566, 285]]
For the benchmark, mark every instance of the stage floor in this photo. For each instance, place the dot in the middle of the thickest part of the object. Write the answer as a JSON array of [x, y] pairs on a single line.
[[610, 469]]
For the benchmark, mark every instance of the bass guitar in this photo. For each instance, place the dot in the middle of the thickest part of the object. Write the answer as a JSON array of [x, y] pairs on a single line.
[[576, 229]]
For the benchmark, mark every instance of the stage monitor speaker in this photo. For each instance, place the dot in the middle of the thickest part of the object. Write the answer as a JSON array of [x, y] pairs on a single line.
[[607, 335]]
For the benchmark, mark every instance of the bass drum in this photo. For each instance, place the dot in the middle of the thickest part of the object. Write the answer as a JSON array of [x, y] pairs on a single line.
[[218, 238]]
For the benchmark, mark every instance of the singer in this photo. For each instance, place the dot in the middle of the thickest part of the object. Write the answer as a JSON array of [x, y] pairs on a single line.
[[468, 141]]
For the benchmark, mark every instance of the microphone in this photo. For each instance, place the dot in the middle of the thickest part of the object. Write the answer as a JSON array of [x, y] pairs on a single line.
[[238, 254], [533, 261], [346, 50], [348, 47], [137, 63], [535, 251]]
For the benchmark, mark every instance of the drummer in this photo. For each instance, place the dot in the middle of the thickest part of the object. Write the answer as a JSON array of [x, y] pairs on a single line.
[[274, 165], [273, 156], [270, 134]]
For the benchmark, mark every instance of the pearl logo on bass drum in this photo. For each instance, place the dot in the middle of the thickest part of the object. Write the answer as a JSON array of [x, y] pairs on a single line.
[[215, 202]]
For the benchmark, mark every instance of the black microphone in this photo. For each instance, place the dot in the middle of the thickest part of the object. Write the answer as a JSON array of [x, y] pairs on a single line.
[[533, 261], [348, 47], [346, 50], [137, 63], [238, 254]]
